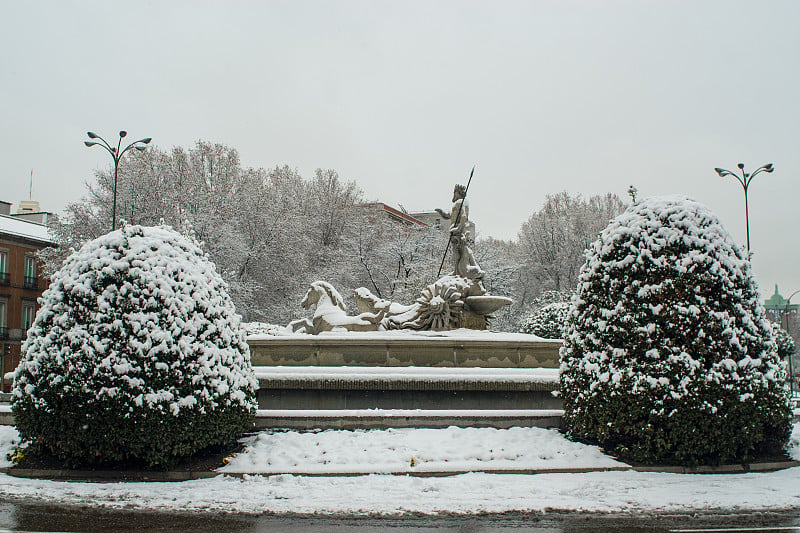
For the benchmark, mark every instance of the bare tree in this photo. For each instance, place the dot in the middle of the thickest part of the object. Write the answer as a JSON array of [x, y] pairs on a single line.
[[398, 260], [552, 241], [269, 232]]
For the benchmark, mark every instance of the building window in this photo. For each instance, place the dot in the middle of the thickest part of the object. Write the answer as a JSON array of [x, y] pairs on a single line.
[[30, 280], [3, 324], [4, 276], [28, 314]]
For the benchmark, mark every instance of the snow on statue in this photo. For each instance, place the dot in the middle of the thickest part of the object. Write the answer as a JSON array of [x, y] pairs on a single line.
[[464, 263], [457, 300], [330, 313]]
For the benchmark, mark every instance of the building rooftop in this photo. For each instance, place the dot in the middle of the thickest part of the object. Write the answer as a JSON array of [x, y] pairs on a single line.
[[19, 228], [396, 214], [776, 302]]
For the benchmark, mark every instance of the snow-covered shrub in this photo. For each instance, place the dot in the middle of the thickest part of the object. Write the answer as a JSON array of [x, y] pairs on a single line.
[[263, 328], [136, 355], [668, 356], [784, 341], [547, 322]]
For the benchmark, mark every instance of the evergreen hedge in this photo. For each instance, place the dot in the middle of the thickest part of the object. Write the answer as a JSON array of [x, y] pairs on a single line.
[[547, 322], [136, 355], [668, 356], [784, 341]]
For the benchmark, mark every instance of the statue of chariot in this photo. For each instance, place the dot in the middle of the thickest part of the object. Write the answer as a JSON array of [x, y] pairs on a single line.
[[455, 300]]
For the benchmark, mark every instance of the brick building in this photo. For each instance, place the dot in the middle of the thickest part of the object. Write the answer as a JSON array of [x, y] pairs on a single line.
[[379, 208], [21, 281], [431, 219]]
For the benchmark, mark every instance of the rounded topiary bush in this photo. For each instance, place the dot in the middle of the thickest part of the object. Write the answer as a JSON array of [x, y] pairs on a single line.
[[136, 355], [547, 322], [668, 356]]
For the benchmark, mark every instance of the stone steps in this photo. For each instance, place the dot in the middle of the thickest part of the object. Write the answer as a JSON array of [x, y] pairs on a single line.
[[391, 388], [309, 419], [406, 418]]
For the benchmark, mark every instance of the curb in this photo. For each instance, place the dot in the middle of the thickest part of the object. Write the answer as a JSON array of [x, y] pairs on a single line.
[[107, 476], [720, 469], [104, 476], [436, 473]]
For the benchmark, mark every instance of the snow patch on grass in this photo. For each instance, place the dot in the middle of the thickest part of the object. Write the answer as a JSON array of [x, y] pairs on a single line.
[[392, 495], [414, 450]]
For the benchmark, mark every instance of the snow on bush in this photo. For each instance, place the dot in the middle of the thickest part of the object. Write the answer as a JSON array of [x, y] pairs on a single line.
[[263, 328], [783, 340], [668, 356], [547, 322], [135, 355]]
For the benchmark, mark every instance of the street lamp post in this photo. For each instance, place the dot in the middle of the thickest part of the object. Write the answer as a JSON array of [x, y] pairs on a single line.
[[116, 155], [745, 180], [786, 328]]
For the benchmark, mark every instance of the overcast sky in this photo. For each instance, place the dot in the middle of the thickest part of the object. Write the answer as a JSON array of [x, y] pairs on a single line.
[[404, 97]]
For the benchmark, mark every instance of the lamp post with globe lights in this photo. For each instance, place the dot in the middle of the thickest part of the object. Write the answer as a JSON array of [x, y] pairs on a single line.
[[116, 154], [745, 180]]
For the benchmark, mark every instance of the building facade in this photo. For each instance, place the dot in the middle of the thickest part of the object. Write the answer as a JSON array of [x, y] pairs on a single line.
[[787, 315], [431, 219], [395, 215], [21, 283]]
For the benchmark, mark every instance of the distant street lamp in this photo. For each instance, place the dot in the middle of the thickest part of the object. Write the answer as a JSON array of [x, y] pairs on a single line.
[[745, 180], [786, 328], [116, 155]]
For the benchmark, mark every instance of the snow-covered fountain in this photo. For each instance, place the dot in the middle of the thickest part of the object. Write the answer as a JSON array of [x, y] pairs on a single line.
[[434, 356], [456, 300]]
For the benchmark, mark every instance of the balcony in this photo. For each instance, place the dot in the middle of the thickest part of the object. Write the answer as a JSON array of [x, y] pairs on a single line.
[[5, 278], [30, 282]]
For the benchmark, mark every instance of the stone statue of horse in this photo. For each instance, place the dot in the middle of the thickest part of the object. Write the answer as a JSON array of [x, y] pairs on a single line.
[[330, 313]]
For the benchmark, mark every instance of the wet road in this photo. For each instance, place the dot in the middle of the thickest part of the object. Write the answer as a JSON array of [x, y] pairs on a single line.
[[20, 516]]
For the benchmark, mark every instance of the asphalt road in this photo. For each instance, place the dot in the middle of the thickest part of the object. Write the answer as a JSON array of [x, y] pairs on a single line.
[[25, 516]]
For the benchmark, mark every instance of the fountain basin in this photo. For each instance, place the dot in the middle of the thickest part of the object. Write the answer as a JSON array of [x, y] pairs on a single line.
[[487, 304], [457, 348]]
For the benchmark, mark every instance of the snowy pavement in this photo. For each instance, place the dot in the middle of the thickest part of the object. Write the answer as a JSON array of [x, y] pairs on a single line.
[[336, 451], [405, 450]]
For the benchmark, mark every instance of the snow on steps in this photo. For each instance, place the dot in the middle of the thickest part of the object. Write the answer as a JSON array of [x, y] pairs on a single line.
[[406, 418], [441, 392], [385, 418], [412, 383], [407, 378]]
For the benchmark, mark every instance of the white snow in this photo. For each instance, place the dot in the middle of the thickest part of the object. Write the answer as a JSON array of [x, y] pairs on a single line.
[[18, 227], [405, 413], [158, 295], [631, 288], [414, 450], [794, 440], [430, 336], [408, 373], [626, 491], [9, 437], [548, 321]]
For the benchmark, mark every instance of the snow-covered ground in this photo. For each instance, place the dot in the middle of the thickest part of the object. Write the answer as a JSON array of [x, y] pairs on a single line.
[[8, 439], [332, 451], [415, 450]]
